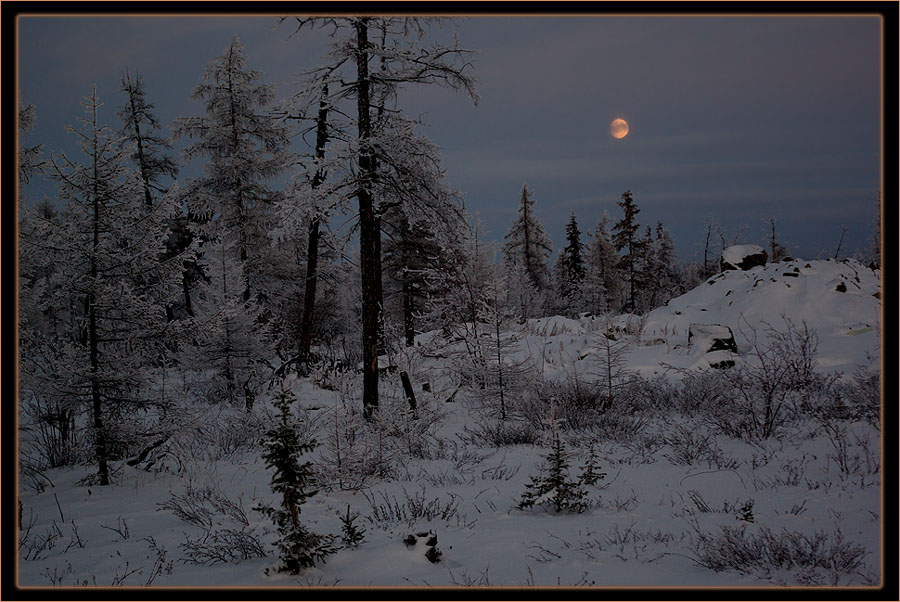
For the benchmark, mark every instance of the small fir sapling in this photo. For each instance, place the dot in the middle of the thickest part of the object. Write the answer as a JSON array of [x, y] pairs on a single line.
[[554, 487], [298, 546], [590, 474], [351, 533]]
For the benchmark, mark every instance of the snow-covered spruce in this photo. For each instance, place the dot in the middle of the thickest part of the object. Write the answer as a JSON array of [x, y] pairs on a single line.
[[298, 546]]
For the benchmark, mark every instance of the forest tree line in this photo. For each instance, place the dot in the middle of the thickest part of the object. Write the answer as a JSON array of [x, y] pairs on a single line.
[[134, 278]]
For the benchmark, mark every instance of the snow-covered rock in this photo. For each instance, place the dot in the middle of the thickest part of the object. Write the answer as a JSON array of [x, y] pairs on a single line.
[[743, 257], [704, 338]]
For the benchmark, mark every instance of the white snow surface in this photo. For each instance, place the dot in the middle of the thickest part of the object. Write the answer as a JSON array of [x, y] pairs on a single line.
[[668, 483]]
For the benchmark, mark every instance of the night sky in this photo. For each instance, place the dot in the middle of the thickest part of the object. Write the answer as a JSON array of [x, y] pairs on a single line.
[[740, 119]]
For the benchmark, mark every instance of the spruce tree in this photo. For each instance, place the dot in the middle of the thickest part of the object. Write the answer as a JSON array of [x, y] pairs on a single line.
[[875, 245], [603, 284], [553, 487], [527, 251], [351, 534], [415, 267], [569, 272], [627, 239], [298, 546], [665, 272], [647, 290], [777, 251]]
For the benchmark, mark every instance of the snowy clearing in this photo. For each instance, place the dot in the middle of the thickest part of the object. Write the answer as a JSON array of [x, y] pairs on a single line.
[[681, 500]]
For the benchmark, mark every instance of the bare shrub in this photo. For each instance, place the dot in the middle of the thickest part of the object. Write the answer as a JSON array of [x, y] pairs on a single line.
[[354, 453], [851, 456], [48, 433], [207, 432], [414, 434], [501, 433], [768, 392], [230, 432], [701, 391], [227, 534], [734, 549], [575, 404], [862, 394], [657, 393], [791, 474], [222, 546], [388, 510], [763, 391], [690, 447], [796, 348]]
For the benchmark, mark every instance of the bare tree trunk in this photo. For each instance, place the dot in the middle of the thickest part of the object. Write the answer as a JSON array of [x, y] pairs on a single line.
[[186, 286], [379, 281], [379, 284], [706, 273], [408, 322], [93, 335], [500, 370], [368, 228], [840, 242], [142, 164], [312, 248], [410, 396]]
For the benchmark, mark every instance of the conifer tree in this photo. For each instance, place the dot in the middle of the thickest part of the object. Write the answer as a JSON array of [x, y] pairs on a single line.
[[298, 546], [664, 272], [311, 202], [503, 376], [228, 343], [139, 125], [527, 251], [645, 260], [139, 133], [112, 283], [611, 350], [627, 239], [414, 264], [777, 251], [351, 534], [553, 486], [29, 157], [245, 148], [402, 59], [459, 309], [875, 246], [569, 271], [602, 284]]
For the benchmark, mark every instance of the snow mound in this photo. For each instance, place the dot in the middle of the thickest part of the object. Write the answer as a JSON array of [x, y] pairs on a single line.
[[555, 325], [839, 300]]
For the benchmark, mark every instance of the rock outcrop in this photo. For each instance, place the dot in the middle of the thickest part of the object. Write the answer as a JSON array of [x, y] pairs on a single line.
[[743, 257]]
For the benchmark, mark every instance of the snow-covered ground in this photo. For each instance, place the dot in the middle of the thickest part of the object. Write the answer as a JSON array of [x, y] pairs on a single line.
[[680, 502]]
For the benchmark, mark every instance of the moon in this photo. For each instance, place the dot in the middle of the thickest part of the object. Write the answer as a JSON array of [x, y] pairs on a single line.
[[618, 128]]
